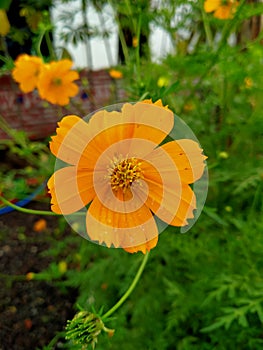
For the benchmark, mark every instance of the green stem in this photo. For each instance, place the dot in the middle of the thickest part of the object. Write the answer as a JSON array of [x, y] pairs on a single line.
[[106, 40], [225, 34], [207, 28], [27, 211], [50, 46], [53, 341], [130, 289], [38, 46], [137, 52], [121, 34]]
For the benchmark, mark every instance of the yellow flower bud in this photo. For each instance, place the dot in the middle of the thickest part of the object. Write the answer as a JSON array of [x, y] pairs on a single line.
[[30, 276], [248, 82], [135, 41], [162, 81], [4, 23], [228, 209], [223, 155], [62, 266]]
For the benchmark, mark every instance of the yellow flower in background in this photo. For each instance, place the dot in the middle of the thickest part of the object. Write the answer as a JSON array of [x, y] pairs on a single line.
[[135, 41], [56, 82], [162, 81], [248, 82], [188, 107], [223, 155], [228, 209], [30, 276], [26, 71], [223, 9], [62, 266], [115, 74], [4, 23]]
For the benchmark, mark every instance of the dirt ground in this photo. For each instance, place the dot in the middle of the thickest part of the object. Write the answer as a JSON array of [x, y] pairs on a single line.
[[31, 311]]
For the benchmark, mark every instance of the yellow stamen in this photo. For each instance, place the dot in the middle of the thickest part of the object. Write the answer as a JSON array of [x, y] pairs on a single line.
[[124, 172], [57, 81]]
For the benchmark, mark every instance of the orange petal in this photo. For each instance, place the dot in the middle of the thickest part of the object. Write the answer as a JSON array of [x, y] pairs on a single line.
[[135, 122], [211, 5], [224, 12], [116, 140], [61, 66], [120, 229], [141, 120], [187, 156], [70, 76], [153, 123], [156, 103], [174, 206], [143, 247], [169, 198], [70, 190], [73, 134]]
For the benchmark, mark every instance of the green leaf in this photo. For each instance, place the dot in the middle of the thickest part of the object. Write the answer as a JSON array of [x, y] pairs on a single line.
[[170, 89], [251, 10], [211, 212], [4, 4], [212, 327], [242, 320]]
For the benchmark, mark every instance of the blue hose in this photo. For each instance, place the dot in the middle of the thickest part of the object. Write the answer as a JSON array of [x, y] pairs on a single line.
[[24, 201]]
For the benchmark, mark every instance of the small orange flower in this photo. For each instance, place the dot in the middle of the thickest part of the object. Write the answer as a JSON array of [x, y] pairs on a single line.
[[223, 9], [30, 276], [117, 166], [115, 74], [40, 225], [26, 71], [135, 41], [55, 83]]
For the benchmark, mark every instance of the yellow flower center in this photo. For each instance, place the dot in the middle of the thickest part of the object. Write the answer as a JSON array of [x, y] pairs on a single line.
[[57, 81], [122, 173]]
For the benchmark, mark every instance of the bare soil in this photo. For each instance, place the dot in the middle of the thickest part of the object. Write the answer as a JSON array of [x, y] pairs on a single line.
[[31, 311]]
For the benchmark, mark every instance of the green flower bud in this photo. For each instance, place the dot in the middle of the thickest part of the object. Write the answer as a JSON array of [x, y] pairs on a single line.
[[85, 328]]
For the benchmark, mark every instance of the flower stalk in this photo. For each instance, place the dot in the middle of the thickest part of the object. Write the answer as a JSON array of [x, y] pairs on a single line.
[[25, 210], [86, 326], [130, 289]]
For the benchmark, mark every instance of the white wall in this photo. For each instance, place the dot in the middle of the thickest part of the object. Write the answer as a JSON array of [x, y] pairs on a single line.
[[160, 43]]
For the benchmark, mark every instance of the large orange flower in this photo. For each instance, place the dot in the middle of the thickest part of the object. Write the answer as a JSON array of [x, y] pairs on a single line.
[[26, 71], [223, 9], [117, 166], [55, 82]]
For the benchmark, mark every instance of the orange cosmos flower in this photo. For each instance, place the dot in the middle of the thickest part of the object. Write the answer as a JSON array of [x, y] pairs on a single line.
[[115, 74], [223, 9], [26, 71], [55, 82], [40, 225], [117, 166]]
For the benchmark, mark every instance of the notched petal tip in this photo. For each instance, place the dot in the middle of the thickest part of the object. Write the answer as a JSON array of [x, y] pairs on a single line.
[[145, 247]]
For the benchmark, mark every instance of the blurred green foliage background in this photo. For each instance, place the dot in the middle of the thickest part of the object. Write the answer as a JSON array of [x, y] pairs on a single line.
[[202, 289]]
